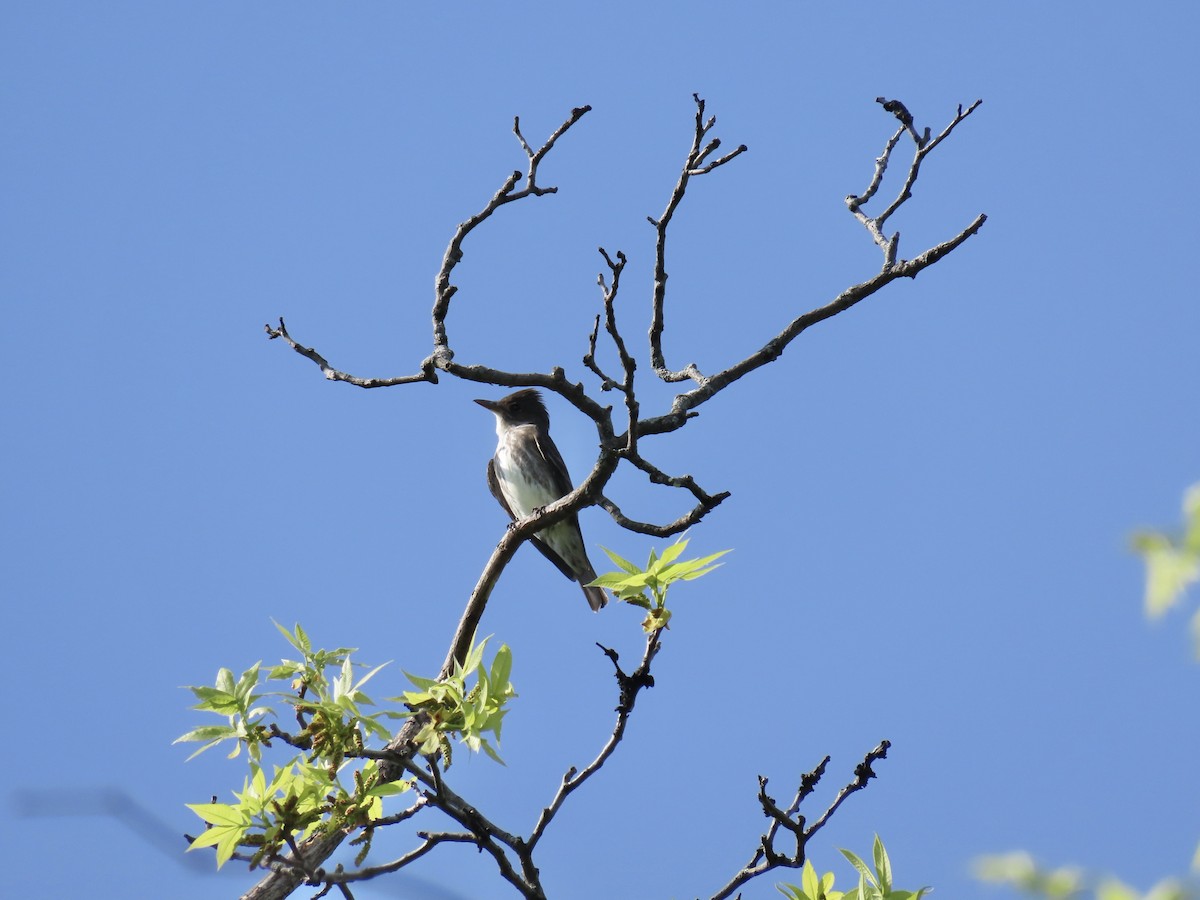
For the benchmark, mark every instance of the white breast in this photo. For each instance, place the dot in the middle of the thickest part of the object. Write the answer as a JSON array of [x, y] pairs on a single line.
[[523, 494]]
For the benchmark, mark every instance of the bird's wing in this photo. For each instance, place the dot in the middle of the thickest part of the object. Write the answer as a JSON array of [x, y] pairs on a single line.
[[494, 487], [558, 468], [562, 487]]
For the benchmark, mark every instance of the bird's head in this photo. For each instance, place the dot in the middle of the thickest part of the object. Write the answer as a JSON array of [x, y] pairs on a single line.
[[523, 407]]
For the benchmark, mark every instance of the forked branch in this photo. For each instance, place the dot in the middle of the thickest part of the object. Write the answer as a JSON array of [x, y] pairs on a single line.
[[694, 164], [923, 147], [767, 855]]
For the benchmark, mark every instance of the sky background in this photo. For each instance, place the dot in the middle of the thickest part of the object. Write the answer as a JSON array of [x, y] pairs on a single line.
[[932, 493]]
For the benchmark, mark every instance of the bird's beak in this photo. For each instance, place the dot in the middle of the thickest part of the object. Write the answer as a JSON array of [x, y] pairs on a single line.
[[490, 405]]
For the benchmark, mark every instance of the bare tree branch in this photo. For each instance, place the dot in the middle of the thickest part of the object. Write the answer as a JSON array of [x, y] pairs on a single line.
[[693, 165], [507, 194], [427, 373], [862, 774], [628, 364], [630, 686], [683, 523], [431, 840], [881, 163], [924, 146], [767, 857], [513, 854]]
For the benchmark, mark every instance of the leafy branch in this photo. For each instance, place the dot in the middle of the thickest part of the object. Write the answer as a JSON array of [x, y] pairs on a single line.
[[631, 583], [337, 785]]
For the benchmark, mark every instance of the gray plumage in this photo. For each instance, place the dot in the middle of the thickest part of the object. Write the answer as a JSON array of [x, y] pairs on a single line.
[[528, 473]]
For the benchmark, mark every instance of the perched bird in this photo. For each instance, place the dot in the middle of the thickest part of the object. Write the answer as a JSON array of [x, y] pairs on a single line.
[[528, 473]]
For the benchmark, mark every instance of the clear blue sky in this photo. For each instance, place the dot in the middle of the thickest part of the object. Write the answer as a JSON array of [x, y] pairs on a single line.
[[931, 493]]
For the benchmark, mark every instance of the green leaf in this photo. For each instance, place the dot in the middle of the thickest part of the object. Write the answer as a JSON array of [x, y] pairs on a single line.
[[475, 655], [1191, 517], [390, 789], [699, 573], [225, 837], [219, 813], [214, 700], [502, 666], [1169, 571], [863, 871], [208, 837], [212, 733], [617, 581], [673, 551], [487, 748], [620, 562], [247, 682], [423, 683], [287, 635], [883, 865], [809, 880], [372, 674]]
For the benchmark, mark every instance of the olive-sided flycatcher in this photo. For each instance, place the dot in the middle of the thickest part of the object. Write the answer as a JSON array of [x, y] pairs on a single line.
[[528, 473]]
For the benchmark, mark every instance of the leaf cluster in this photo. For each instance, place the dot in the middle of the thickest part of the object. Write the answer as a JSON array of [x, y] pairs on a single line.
[[632, 582], [449, 706], [1173, 562], [872, 885], [330, 784], [1020, 871], [334, 782]]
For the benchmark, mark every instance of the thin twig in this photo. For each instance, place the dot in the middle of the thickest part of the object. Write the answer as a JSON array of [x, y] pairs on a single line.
[[683, 523], [862, 774], [427, 373], [368, 872], [628, 363], [923, 146], [609, 295], [443, 289], [808, 783], [630, 685], [692, 166]]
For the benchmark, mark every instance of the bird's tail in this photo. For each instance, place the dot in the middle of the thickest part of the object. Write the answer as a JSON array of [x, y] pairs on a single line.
[[596, 597]]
